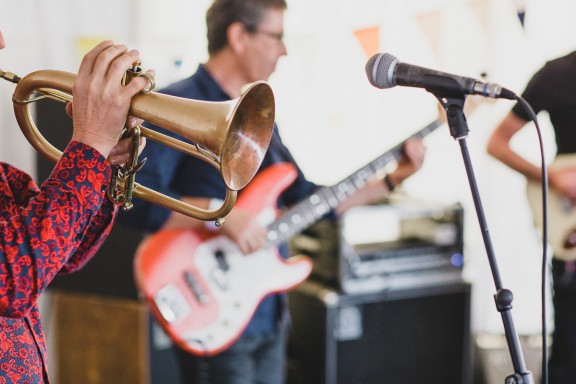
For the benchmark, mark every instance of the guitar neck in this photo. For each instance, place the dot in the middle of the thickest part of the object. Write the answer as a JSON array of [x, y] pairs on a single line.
[[325, 199]]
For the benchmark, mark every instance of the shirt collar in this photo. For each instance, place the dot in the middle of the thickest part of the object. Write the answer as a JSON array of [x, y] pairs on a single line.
[[215, 91]]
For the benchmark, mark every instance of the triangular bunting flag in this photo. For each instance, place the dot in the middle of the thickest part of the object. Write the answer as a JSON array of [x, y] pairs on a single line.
[[369, 39]]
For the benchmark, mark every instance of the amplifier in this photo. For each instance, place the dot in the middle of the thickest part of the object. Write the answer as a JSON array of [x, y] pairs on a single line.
[[404, 336], [401, 244]]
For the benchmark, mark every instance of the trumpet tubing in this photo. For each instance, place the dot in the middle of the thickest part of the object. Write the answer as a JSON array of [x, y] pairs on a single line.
[[232, 136]]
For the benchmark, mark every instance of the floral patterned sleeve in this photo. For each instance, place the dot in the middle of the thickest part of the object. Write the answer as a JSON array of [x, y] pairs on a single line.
[[56, 228], [99, 229]]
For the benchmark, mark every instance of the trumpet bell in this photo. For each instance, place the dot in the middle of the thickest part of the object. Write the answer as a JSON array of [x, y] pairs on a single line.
[[237, 131], [248, 137]]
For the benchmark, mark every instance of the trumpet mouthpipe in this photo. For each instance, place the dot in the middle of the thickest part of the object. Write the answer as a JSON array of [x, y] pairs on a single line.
[[9, 76]]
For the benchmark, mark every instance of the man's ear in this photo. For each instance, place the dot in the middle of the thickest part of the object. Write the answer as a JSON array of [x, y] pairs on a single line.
[[237, 35]]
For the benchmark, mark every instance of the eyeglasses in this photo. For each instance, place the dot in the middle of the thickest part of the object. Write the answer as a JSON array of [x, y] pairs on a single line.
[[279, 37]]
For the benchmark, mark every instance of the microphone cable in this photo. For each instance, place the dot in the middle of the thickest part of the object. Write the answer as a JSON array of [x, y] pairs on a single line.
[[544, 186]]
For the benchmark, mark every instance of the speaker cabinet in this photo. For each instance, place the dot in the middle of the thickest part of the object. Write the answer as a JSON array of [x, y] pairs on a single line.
[[95, 339], [397, 337]]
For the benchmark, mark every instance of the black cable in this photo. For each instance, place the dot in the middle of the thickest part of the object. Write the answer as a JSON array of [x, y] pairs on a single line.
[[543, 287]]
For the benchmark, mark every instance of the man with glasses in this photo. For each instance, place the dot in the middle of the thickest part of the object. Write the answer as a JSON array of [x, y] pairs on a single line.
[[244, 45]]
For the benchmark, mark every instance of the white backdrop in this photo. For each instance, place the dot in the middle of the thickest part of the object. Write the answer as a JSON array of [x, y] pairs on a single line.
[[328, 113]]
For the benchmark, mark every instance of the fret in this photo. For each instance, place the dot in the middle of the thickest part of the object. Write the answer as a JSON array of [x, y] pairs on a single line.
[[339, 196], [373, 170], [359, 180], [378, 163], [334, 201], [344, 189], [336, 193]]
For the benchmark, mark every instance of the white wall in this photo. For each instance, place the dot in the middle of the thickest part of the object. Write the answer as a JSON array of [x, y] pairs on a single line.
[[329, 115]]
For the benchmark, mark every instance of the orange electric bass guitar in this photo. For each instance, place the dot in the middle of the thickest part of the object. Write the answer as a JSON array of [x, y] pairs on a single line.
[[203, 291]]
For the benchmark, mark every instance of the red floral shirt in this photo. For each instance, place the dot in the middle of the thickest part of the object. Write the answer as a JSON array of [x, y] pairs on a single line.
[[54, 229]]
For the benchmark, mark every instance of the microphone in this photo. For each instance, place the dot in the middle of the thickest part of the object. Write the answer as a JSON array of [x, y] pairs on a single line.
[[386, 71]]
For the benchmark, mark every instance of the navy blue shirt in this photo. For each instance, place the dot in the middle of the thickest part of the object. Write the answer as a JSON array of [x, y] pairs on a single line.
[[175, 174]]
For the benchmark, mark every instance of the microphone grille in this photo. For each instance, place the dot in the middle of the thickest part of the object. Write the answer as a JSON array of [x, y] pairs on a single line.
[[380, 70]]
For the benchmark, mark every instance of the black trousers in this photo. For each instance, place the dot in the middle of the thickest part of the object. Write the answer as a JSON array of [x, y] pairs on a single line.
[[562, 362]]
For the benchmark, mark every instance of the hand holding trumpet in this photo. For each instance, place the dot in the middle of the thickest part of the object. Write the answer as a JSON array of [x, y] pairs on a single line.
[[101, 104], [122, 152]]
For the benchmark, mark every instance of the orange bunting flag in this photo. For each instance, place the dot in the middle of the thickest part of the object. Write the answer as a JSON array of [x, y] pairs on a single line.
[[369, 39]]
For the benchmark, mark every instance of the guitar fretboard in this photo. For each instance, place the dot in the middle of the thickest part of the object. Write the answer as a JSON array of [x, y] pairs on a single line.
[[325, 199]]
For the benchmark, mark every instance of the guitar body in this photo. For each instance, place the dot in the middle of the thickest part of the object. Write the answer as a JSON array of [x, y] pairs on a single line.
[[561, 213], [202, 290]]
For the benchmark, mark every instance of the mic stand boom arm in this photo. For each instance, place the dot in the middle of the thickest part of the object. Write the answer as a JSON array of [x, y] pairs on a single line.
[[454, 107]]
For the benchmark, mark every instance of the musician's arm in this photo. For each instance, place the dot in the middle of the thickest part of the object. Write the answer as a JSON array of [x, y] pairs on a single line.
[[562, 180], [499, 147]]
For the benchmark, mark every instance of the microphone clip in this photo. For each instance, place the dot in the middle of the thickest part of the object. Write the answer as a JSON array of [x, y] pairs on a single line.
[[454, 107]]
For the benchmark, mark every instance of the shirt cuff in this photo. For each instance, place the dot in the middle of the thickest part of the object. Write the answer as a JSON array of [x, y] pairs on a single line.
[[82, 169]]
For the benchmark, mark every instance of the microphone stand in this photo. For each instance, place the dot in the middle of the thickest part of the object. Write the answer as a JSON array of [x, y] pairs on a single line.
[[454, 106]]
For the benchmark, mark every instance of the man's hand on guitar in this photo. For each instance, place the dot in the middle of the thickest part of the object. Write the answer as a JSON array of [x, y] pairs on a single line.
[[414, 152], [243, 228], [564, 182]]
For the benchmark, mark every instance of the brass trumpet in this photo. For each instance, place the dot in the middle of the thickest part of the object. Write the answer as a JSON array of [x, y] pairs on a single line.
[[232, 136]]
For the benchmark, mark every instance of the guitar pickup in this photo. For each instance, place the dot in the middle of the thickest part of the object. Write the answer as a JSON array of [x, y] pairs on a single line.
[[171, 303], [221, 260]]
